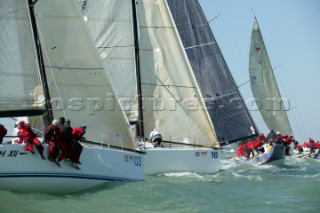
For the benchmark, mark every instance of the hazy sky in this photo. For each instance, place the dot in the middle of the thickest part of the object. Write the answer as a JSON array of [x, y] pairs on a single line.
[[291, 32]]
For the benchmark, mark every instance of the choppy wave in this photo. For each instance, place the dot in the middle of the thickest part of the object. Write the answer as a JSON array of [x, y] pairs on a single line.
[[291, 187]]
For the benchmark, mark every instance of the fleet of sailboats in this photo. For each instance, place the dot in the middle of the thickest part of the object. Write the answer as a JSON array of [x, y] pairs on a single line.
[[151, 64], [73, 73]]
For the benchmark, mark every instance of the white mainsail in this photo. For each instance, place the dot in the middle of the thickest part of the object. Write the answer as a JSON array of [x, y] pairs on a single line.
[[174, 103], [264, 86], [76, 78], [111, 26], [19, 72]]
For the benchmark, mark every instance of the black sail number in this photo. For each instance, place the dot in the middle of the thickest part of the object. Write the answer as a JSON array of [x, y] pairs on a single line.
[[214, 155]]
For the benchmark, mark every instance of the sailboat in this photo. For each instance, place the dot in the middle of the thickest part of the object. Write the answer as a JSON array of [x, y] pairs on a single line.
[[70, 71], [264, 86], [227, 110], [142, 34], [265, 90]]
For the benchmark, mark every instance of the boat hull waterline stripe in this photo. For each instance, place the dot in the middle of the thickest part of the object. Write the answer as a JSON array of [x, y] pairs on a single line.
[[62, 175]]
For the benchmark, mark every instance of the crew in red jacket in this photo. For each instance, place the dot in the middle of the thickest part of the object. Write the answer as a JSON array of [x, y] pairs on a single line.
[[241, 150], [29, 138], [262, 138], [287, 142], [311, 145], [52, 135], [257, 145], [77, 135], [249, 149], [3, 132], [298, 147]]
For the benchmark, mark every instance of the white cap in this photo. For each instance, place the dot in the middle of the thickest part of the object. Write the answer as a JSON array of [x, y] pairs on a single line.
[[55, 122]]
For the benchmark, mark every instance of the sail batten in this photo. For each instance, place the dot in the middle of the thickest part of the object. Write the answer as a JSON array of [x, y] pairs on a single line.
[[227, 110], [264, 86]]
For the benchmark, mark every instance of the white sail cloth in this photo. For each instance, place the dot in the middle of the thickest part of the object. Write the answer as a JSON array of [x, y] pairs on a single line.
[[174, 103], [19, 71], [264, 86], [78, 85]]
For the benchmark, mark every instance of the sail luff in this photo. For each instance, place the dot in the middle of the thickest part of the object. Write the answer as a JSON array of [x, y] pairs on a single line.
[[228, 112], [264, 86]]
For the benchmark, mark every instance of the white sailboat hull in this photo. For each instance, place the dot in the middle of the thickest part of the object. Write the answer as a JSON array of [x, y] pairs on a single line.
[[22, 171], [197, 160]]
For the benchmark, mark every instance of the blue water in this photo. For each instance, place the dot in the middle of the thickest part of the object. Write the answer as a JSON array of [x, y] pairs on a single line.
[[292, 187]]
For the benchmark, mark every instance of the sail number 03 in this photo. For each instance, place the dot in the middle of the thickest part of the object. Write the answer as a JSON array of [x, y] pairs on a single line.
[[214, 155], [137, 161]]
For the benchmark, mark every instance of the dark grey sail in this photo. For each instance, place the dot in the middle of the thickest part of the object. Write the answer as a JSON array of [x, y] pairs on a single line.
[[231, 119]]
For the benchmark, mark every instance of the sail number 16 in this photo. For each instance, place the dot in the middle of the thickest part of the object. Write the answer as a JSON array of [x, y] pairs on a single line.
[[214, 155]]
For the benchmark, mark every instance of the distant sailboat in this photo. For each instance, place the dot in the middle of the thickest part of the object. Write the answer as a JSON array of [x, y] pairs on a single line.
[[264, 86], [71, 72], [169, 98], [265, 91], [227, 110]]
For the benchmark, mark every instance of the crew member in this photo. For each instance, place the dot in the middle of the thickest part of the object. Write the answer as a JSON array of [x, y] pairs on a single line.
[[29, 138], [241, 150], [257, 145], [249, 149], [298, 147], [77, 135], [65, 142], [155, 138], [52, 135], [287, 143], [3, 132]]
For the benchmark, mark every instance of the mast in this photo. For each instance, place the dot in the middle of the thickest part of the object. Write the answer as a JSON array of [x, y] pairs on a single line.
[[49, 117], [138, 74]]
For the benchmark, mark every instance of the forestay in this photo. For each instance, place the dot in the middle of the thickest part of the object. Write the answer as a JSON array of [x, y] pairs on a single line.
[[264, 86], [19, 69], [78, 85], [225, 105]]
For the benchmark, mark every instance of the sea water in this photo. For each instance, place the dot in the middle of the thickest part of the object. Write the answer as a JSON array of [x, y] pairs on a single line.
[[291, 187]]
